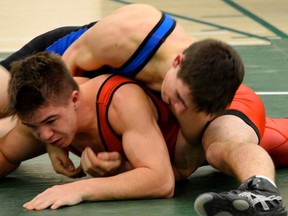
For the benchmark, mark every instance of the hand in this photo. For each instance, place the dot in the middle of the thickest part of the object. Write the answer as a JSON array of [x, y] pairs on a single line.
[[62, 163], [101, 164], [56, 197]]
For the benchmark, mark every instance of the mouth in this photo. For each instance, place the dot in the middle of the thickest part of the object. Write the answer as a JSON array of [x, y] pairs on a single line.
[[56, 142]]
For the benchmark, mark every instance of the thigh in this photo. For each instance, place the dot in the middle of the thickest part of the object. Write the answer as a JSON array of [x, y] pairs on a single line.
[[229, 129], [249, 107], [243, 121]]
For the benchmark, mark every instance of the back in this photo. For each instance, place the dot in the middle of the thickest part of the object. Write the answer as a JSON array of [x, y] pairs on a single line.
[[115, 38]]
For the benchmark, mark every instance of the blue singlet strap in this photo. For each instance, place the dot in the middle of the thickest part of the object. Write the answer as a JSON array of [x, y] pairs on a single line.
[[148, 47]]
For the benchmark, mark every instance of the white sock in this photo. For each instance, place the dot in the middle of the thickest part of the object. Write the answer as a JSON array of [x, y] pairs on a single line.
[[268, 179]]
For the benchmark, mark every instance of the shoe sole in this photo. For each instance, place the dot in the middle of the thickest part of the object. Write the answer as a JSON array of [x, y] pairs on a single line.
[[238, 205]]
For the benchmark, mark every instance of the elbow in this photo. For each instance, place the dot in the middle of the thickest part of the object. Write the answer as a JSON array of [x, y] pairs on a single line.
[[170, 190], [167, 187]]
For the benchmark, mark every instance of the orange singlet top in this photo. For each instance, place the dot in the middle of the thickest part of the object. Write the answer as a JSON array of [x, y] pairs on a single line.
[[112, 141]]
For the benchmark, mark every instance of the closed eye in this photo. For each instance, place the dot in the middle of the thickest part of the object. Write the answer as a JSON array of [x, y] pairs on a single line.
[[180, 99], [31, 126], [50, 121]]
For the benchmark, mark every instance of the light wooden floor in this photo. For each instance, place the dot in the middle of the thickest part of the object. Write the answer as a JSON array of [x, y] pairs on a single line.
[[259, 31], [236, 22]]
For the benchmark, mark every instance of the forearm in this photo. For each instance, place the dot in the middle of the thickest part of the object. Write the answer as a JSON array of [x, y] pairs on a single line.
[[125, 166], [135, 184], [140, 183]]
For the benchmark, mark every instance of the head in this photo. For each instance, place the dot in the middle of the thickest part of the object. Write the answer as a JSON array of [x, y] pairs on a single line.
[[204, 78], [38, 83]]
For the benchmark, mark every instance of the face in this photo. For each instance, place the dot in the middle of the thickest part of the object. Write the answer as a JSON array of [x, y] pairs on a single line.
[[174, 92], [177, 95], [54, 124]]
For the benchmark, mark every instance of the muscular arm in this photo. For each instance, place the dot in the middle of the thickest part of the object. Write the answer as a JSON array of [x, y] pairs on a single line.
[[18, 145], [104, 44], [144, 146], [86, 53]]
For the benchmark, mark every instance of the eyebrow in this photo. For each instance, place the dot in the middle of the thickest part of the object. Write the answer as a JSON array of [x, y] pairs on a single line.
[[45, 120]]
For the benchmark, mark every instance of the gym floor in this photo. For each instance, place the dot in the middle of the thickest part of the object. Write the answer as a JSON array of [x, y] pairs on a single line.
[[257, 29]]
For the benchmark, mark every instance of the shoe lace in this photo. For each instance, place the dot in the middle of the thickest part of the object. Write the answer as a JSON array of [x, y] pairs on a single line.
[[256, 198]]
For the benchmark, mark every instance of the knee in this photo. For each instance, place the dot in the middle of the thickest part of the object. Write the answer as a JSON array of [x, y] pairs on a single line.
[[213, 152]]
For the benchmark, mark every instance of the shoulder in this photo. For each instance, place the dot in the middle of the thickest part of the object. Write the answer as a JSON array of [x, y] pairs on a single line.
[[129, 95], [131, 100], [131, 106]]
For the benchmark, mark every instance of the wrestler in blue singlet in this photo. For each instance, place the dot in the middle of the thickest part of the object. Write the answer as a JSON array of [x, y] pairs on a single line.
[[59, 40]]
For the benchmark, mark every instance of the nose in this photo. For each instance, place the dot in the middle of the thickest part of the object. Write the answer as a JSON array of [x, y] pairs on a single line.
[[45, 133]]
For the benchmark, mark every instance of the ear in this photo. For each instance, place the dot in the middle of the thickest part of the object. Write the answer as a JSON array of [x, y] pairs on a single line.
[[178, 60], [75, 98]]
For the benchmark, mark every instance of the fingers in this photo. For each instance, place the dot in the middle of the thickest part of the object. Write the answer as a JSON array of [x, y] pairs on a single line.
[[68, 164], [102, 164], [62, 169], [55, 197], [42, 201], [40, 204], [91, 164], [60, 161], [78, 173], [63, 165], [109, 155]]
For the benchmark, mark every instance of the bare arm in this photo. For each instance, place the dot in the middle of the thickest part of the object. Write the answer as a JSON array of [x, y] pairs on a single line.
[[86, 53], [144, 147], [104, 44]]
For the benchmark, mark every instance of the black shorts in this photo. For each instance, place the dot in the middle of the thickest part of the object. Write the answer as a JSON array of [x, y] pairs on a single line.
[[40, 43]]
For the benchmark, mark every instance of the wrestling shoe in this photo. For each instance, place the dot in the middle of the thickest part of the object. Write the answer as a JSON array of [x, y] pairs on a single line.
[[256, 196]]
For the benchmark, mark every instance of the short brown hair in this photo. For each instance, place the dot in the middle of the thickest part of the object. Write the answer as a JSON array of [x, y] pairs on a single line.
[[38, 80], [213, 70]]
